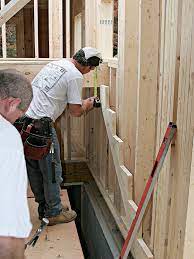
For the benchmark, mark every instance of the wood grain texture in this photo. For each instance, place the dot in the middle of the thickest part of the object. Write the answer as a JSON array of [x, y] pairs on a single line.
[[59, 241]]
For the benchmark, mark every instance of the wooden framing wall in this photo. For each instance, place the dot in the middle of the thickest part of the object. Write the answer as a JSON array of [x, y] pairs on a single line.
[[150, 83]]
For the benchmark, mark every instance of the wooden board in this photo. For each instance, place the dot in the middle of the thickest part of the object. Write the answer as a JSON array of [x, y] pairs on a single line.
[[55, 29], [167, 68], [127, 80], [189, 235], [10, 9], [146, 102], [182, 156], [59, 241]]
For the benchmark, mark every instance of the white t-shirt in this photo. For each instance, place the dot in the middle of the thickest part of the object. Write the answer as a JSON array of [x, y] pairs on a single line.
[[14, 212], [57, 84]]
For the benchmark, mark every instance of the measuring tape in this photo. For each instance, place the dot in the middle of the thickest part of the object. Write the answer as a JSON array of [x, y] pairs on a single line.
[[169, 135], [97, 103]]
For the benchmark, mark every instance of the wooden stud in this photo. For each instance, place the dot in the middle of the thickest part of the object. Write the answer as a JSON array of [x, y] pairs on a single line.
[[127, 79], [20, 34], [10, 9], [4, 44], [90, 21], [104, 28], [55, 29], [182, 156], [146, 101], [67, 28], [166, 102], [189, 233], [77, 32], [36, 28]]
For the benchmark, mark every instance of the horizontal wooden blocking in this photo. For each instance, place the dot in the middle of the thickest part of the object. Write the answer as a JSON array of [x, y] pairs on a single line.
[[111, 120], [128, 180], [10, 9], [75, 171], [117, 147]]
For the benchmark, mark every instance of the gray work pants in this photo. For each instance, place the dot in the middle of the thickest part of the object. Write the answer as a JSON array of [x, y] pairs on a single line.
[[40, 174]]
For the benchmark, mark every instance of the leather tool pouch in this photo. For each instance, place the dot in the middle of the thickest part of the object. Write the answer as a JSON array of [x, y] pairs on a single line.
[[36, 136]]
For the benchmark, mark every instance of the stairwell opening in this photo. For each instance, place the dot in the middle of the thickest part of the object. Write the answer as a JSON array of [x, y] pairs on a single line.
[[99, 235]]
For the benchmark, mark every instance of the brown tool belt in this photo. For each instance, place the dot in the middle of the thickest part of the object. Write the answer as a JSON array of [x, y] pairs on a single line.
[[36, 136]]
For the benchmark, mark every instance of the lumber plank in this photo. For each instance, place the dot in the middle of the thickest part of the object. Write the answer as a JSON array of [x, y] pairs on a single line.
[[67, 19], [90, 20], [20, 34], [10, 9], [36, 28], [112, 82], [166, 105], [59, 241], [77, 32], [116, 145], [102, 152], [183, 146], [127, 79], [55, 29], [111, 175], [104, 28], [189, 235], [146, 102], [4, 47]]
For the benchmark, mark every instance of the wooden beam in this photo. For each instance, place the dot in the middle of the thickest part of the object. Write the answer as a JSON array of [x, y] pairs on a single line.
[[182, 156], [90, 23], [104, 28], [20, 34], [55, 29], [76, 171], [68, 32], [189, 233], [4, 45], [10, 9], [36, 28], [127, 79], [166, 105], [146, 101], [77, 32]]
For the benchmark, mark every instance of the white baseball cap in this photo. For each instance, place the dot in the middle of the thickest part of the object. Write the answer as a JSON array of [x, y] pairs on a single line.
[[88, 56], [91, 52]]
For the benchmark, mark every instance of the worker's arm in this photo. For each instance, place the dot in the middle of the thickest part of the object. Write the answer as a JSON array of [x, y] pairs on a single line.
[[77, 110], [11, 248]]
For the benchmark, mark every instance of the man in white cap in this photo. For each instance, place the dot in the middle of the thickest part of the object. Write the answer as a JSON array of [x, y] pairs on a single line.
[[57, 86]]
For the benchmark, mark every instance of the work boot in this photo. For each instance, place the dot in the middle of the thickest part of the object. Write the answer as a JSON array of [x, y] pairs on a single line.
[[42, 215], [65, 216]]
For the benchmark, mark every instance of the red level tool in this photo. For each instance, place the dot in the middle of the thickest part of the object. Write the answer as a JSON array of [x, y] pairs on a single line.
[[170, 132]]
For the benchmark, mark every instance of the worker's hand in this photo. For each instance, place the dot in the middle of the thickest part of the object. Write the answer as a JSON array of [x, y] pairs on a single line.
[[87, 104]]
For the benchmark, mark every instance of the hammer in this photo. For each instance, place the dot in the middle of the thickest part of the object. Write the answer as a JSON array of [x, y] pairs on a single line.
[[35, 237]]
